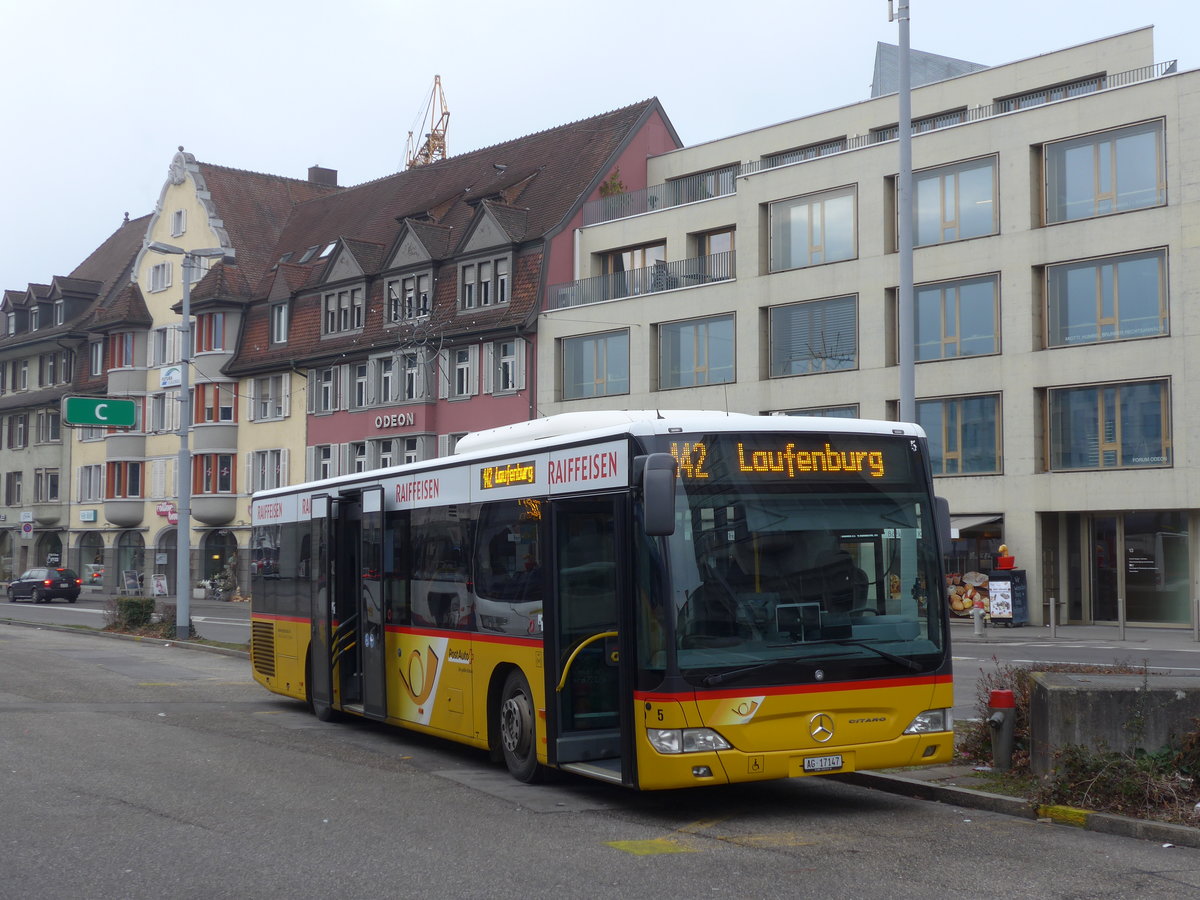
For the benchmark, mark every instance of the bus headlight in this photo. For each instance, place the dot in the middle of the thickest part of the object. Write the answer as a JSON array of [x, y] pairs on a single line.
[[686, 740], [931, 720]]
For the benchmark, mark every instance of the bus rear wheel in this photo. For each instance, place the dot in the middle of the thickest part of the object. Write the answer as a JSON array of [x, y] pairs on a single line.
[[517, 732]]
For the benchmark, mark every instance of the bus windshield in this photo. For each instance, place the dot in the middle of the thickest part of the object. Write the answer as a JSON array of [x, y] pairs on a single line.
[[800, 559]]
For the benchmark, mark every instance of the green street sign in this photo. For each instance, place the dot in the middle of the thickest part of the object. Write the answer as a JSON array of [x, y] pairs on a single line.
[[99, 411]]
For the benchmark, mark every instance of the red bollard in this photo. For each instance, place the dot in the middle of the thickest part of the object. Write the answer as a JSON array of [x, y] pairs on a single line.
[[1003, 708]]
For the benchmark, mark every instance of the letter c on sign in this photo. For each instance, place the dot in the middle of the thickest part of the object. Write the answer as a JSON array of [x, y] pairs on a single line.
[[100, 411]]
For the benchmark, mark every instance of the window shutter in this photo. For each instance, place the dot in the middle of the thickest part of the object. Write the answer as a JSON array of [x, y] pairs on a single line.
[[422, 380], [79, 484], [251, 487], [473, 375], [286, 393], [489, 367], [312, 393], [283, 467], [443, 375], [443, 445], [252, 413], [310, 462], [342, 401], [152, 359], [158, 479], [519, 365]]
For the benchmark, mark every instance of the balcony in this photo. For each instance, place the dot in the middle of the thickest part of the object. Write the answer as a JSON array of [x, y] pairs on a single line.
[[46, 513], [124, 513], [706, 185], [214, 509], [663, 276]]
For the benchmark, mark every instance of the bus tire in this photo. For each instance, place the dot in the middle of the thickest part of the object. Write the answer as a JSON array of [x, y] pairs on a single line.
[[518, 732]]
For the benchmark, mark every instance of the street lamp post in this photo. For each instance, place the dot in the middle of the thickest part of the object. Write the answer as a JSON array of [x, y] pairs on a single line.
[[183, 466], [906, 325]]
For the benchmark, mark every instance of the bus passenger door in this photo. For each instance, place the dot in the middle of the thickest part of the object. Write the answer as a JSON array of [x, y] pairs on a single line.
[[370, 611], [320, 667], [588, 696]]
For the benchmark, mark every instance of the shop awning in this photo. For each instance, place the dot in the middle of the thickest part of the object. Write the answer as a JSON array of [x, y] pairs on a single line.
[[959, 524]]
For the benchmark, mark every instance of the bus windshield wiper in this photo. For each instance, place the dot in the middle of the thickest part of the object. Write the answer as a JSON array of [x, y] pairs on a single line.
[[890, 657], [722, 677]]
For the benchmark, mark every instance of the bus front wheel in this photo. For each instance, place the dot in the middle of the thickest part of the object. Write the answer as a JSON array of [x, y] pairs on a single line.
[[517, 731]]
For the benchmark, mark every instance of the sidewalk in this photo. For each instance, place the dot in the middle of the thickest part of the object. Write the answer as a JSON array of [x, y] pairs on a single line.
[[950, 783], [1137, 637]]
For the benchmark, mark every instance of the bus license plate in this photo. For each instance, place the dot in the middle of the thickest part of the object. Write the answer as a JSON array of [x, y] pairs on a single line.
[[822, 763]]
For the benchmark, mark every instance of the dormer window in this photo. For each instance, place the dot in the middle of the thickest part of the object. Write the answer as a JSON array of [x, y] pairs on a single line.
[[34, 316], [328, 249], [342, 311], [408, 297], [308, 254], [484, 283], [59, 312]]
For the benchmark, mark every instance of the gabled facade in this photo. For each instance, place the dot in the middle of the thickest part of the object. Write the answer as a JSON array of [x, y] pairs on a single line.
[[1055, 218], [44, 357], [136, 347]]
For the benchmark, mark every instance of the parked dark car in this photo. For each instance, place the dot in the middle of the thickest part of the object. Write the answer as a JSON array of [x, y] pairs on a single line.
[[45, 584]]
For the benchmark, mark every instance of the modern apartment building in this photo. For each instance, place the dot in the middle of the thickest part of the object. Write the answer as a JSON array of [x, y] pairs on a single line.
[[1056, 217]]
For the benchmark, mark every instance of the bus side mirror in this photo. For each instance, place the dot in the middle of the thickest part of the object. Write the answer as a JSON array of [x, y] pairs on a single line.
[[941, 515], [658, 493]]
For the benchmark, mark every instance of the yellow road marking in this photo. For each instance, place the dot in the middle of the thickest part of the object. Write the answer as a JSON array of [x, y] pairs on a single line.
[[653, 847]]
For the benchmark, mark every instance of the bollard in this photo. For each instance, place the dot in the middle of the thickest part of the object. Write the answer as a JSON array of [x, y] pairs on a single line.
[[977, 615], [1002, 706]]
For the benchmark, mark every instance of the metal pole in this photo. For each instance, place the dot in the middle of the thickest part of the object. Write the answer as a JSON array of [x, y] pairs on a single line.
[[183, 467], [1053, 618], [1121, 618], [1196, 618], [906, 329]]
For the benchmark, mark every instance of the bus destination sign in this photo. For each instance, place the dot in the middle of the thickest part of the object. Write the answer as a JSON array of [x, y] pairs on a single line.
[[783, 458]]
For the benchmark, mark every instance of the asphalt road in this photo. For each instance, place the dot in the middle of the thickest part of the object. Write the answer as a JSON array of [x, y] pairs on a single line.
[[142, 769], [217, 621]]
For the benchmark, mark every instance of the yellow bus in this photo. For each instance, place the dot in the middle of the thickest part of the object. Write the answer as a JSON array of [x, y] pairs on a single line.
[[652, 599]]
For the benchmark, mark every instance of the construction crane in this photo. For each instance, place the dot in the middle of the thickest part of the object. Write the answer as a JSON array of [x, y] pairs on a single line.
[[433, 146]]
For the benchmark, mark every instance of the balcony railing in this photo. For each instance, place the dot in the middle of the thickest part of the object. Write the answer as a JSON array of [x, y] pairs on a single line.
[[717, 184], [664, 276]]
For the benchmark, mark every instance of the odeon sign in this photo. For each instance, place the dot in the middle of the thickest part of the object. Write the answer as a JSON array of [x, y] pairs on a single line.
[[395, 420]]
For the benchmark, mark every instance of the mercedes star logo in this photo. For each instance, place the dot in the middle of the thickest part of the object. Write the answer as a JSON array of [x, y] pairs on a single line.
[[820, 727]]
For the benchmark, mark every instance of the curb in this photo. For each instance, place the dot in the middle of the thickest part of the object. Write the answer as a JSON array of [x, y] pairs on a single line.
[[1101, 823]]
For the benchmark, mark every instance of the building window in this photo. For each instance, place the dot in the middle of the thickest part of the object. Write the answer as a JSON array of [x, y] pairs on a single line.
[[160, 276], [120, 350], [124, 480], [325, 459], [21, 375], [216, 402], [464, 372], [964, 434], [814, 336], [178, 222], [18, 431], [48, 426], [484, 282], [358, 457], [210, 332], [343, 311], [279, 323], [414, 375], [595, 365], [92, 433], [634, 270], [96, 356], [270, 398], [359, 388], [59, 311], [1101, 174], [1107, 299], [214, 473], [12, 488], [385, 453], [408, 297], [953, 203], [696, 352], [815, 229], [90, 483], [269, 469], [158, 412], [504, 371], [35, 317], [45, 486], [384, 379], [325, 389], [1110, 426], [957, 318], [48, 369]]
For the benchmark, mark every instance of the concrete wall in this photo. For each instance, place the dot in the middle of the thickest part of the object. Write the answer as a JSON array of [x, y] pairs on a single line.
[[1107, 712]]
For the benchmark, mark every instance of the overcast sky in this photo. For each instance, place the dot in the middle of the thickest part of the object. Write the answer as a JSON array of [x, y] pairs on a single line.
[[97, 96]]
